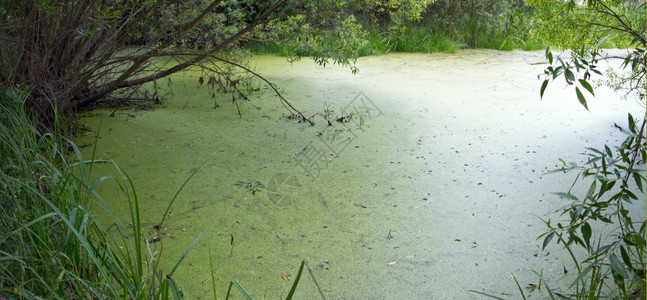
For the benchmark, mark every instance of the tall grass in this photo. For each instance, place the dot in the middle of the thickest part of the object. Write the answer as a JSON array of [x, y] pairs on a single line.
[[51, 244], [410, 39]]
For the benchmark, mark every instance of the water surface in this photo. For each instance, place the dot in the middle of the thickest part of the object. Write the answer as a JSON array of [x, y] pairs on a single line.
[[432, 189]]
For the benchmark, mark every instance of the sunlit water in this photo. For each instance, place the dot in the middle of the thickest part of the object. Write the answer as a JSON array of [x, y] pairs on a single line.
[[432, 189]]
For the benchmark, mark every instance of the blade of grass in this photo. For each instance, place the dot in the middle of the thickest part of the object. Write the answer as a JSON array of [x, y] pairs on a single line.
[[213, 278], [519, 287], [296, 281], [189, 249], [177, 294], [315, 281], [487, 295], [168, 208], [550, 293], [81, 239], [240, 288]]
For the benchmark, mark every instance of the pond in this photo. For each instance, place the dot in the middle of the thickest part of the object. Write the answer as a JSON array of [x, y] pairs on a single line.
[[432, 187]]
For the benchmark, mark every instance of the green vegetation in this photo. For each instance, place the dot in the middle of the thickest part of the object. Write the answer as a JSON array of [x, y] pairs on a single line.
[[53, 246], [444, 26], [108, 52], [600, 221], [253, 186]]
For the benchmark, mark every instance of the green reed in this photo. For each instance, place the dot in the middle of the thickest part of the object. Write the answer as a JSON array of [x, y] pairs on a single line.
[[52, 245]]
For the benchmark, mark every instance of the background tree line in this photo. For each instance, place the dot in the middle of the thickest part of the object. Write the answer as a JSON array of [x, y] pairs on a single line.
[[72, 55]]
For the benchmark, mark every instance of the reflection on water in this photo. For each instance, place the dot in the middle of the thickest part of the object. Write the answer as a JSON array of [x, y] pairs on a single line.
[[428, 183]]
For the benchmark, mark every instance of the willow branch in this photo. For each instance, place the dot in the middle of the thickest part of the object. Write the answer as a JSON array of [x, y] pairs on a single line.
[[272, 86]]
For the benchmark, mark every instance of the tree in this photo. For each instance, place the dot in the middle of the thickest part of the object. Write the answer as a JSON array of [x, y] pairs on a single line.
[[69, 55], [615, 264]]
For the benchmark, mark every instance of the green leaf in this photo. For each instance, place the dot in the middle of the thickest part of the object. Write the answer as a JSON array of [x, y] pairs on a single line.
[[605, 219], [563, 161], [581, 98], [608, 151], [604, 187], [557, 71], [296, 281], [582, 275], [596, 72], [585, 84], [566, 195], [591, 191], [601, 41], [634, 240], [570, 77], [625, 257], [543, 88], [638, 178], [601, 250], [577, 240], [617, 265], [547, 240], [168, 207], [549, 55], [628, 195], [586, 234], [632, 123]]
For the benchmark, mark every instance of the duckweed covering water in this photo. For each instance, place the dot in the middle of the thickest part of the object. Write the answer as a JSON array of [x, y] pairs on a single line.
[[427, 191]]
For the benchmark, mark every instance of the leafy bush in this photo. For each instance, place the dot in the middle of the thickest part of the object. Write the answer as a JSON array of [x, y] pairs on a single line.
[[614, 263]]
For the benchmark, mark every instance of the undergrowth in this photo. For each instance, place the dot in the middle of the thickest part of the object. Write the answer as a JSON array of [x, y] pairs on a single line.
[[52, 246], [506, 32]]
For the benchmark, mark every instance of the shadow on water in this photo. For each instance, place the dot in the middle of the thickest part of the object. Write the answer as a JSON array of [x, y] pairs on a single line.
[[426, 192]]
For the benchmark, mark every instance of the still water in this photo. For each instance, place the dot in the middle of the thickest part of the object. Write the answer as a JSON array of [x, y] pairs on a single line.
[[433, 187]]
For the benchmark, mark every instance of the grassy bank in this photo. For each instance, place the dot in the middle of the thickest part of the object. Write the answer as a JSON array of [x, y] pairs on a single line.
[[52, 246], [429, 36]]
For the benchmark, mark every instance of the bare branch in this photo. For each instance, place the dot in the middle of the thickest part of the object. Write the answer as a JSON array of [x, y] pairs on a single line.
[[123, 82]]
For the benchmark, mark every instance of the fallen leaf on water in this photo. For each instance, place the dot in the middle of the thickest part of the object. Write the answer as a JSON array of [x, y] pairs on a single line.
[[285, 277]]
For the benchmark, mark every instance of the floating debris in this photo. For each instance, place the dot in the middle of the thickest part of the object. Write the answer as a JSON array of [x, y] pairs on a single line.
[[250, 185]]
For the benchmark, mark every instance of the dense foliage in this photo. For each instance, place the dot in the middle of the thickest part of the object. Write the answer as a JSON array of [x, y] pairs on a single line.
[[69, 55]]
